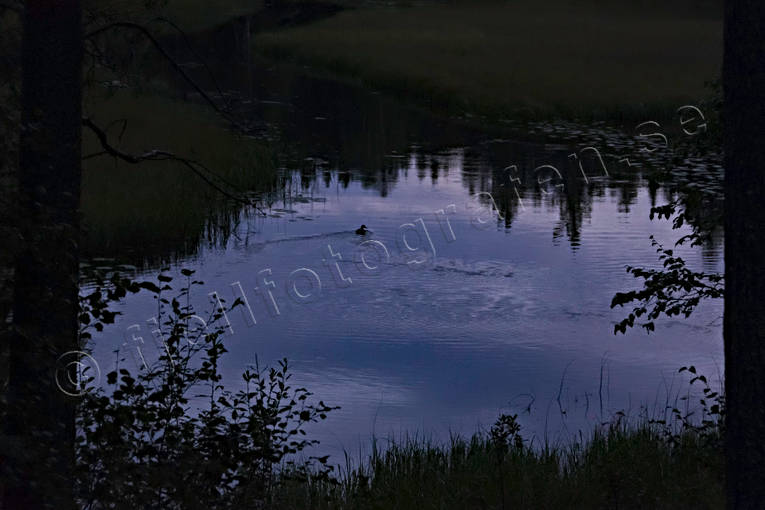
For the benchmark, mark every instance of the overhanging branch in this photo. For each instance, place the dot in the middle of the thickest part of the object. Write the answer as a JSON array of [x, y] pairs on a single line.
[[161, 155], [161, 50]]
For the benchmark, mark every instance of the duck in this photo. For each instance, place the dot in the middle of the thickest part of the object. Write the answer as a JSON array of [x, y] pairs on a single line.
[[362, 230]]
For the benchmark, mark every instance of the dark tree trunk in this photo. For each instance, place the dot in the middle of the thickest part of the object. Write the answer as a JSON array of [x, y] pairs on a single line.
[[744, 323], [41, 415]]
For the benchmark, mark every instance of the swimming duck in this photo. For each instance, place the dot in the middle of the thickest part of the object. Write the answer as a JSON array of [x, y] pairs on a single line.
[[362, 230]]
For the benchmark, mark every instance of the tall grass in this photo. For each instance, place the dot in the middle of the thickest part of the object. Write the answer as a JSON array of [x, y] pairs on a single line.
[[669, 459], [505, 59], [620, 466]]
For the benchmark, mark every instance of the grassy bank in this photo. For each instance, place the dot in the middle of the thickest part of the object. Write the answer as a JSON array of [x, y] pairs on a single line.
[[158, 208], [620, 467], [504, 59]]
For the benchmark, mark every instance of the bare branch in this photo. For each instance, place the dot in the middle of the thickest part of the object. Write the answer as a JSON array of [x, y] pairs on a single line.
[[190, 47], [161, 155], [146, 33]]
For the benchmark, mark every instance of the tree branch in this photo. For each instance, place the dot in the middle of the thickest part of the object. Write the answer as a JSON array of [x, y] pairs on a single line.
[[190, 47], [146, 33], [161, 155]]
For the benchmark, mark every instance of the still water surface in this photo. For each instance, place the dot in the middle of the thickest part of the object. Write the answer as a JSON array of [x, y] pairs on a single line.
[[506, 310]]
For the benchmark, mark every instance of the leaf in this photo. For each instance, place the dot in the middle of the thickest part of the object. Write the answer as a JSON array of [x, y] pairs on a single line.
[[149, 286]]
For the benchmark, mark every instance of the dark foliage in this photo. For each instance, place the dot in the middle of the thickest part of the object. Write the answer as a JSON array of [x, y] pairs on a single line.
[[171, 435], [673, 290]]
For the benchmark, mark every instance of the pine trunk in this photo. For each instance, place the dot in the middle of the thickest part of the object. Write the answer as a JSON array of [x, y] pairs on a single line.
[[744, 327], [45, 303]]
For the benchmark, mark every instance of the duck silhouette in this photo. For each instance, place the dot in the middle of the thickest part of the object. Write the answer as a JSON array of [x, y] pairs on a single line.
[[362, 230]]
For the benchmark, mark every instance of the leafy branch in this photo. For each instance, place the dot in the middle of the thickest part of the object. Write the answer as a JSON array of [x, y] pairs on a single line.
[[146, 440], [673, 290]]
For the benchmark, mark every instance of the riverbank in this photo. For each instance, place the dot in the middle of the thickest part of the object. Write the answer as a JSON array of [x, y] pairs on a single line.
[[516, 60], [145, 212], [160, 209]]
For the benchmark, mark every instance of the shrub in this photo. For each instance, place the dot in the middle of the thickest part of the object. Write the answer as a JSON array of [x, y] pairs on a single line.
[[171, 436]]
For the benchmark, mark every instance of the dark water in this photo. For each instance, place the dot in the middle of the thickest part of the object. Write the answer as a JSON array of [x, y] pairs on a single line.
[[458, 310]]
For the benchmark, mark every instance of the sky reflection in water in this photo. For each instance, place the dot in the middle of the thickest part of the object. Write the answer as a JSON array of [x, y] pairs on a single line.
[[498, 320]]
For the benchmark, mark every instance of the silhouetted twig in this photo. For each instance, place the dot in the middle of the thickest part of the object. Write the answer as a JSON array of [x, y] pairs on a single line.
[[161, 155], [196, 54], [177, 67]]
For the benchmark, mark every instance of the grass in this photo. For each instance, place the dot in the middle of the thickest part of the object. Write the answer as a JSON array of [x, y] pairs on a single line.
[[619, 467], [560, 58], [154, 209]]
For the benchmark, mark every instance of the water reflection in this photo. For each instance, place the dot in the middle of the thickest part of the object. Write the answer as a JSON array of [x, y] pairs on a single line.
[[509, 307]]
